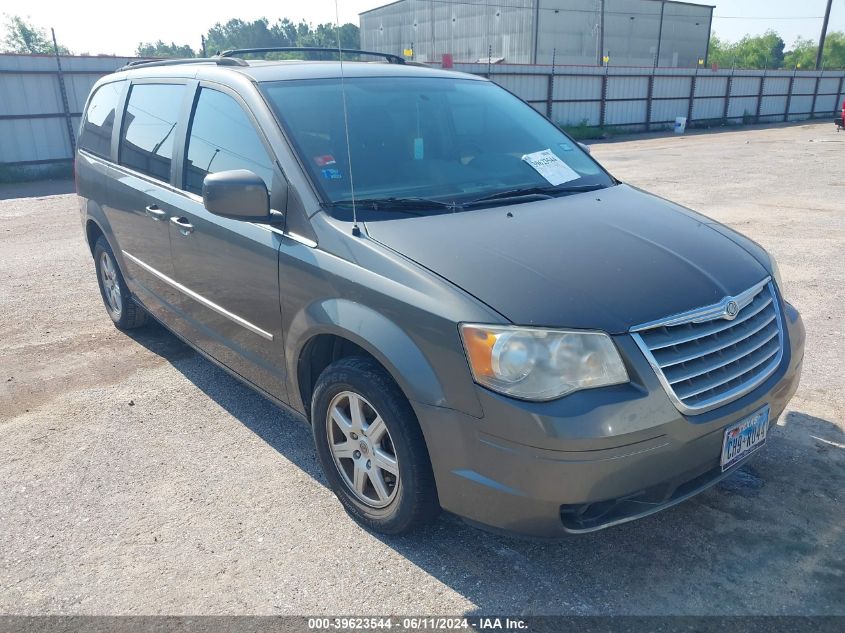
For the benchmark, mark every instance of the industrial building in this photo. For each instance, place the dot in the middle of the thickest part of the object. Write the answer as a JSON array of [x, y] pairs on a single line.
[[618, 32]]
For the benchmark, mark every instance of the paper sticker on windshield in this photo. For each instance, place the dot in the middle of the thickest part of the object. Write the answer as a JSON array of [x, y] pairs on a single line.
[[550, 167], [326, 159]]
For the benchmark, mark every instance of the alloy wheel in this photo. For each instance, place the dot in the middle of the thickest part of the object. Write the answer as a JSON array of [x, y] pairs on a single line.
[[362, 449], [111, 285]]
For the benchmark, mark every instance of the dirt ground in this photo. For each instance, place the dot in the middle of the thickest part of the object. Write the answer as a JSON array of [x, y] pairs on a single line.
[[137, 478]]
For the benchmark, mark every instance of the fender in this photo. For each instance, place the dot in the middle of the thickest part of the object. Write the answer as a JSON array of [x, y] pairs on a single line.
[[94, 213], [372, 331]]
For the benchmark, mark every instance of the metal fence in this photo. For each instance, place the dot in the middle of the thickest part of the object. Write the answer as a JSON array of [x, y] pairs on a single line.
[[651, 98], [38, 126]]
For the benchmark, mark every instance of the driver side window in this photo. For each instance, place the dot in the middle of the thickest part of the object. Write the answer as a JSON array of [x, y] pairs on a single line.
[[221, 138]]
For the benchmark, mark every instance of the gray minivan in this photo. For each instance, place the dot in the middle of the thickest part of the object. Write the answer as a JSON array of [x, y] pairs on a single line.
[[470, 312]]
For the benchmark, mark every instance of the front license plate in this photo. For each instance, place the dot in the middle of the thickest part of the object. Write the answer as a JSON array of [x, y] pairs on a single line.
[[744, 437]]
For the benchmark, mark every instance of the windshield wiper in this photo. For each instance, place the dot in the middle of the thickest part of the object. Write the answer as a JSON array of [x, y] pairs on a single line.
[[528, 192], [407, 205]]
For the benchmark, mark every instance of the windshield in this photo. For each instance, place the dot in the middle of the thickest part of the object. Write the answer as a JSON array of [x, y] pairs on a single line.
[[448, 140]]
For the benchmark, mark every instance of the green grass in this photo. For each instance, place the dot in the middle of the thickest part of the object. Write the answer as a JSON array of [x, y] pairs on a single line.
[[10, 174], [584, 132]]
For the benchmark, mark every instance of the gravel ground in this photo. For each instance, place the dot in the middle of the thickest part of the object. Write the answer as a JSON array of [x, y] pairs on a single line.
[[137, 478]]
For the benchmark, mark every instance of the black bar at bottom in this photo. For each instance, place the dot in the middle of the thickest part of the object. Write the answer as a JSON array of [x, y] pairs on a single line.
[[403, 624]]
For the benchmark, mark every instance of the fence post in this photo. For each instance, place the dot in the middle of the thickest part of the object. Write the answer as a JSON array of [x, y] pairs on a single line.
[[550, 89], [728, 86], [649, 101], [692, 83], [815, 96], [789, 96], [603, 109], [760, 97], [839, 93], [63, 91], [489, 59]]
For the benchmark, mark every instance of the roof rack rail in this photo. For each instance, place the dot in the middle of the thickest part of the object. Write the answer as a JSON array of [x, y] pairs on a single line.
[[392, 59], [220, 61]]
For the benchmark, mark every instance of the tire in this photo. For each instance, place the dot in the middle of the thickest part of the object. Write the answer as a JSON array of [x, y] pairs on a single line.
[[120, 306], [363, 451]]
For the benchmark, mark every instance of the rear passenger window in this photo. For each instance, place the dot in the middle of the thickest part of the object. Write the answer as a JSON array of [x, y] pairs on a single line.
[[97, 126], [146, 143], [222, 137]]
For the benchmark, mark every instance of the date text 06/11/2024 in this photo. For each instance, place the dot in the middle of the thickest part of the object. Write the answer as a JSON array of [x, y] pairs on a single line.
[[416, 623]]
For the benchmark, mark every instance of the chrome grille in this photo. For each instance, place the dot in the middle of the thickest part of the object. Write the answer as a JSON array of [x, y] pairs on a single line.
[[707, 357]]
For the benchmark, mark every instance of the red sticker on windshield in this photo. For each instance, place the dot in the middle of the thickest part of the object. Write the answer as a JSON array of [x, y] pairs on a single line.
[[326, 159]]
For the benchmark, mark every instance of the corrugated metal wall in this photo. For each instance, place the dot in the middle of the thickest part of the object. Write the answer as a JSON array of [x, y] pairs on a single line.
[[33, 128], [533, 31], [468, 29], [651, 98]]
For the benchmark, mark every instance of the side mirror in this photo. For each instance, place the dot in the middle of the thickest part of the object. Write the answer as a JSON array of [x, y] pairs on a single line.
[[237, 194], [585, 147]]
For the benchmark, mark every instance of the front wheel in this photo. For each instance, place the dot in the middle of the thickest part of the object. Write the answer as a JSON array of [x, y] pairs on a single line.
[[371, 447]]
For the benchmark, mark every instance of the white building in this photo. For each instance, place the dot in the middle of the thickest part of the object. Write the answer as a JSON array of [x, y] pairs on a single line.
[[627, 32]]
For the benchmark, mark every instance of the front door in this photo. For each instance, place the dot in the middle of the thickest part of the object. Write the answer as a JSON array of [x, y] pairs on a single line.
[[228, 269]]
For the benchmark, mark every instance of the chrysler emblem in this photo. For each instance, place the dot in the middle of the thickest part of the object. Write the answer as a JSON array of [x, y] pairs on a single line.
[[731, 310]]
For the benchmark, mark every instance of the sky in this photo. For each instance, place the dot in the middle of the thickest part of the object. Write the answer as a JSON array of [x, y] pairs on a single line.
[[108, 27]]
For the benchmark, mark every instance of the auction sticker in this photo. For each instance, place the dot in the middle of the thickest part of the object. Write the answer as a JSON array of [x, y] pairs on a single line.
[[550, 167]]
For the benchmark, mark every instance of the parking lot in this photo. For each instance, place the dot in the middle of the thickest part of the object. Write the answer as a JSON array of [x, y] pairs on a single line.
[[137, 478]]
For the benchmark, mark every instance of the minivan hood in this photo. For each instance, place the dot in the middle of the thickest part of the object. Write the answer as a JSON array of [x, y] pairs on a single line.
[[607, 260]]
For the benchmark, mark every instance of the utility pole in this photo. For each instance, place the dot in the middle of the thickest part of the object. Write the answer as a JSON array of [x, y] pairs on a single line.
[[63, 91], [601, 35], [659, 34], [823, 35]]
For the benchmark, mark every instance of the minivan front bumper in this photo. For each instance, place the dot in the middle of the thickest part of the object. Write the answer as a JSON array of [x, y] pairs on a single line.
[[595, 458]]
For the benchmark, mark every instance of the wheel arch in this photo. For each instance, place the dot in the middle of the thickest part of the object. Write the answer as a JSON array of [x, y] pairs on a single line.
[[93, 232], [336, 328], [96, 225]]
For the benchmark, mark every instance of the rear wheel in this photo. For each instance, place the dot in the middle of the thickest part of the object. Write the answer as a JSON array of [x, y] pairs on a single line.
[[121, 307], [371, 447]]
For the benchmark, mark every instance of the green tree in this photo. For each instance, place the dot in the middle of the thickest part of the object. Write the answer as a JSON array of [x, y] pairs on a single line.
[[160, 49], [834, 50], [719, 51], [261, 33], [26, 38], [803, 53], [752, 51], [237, 33]]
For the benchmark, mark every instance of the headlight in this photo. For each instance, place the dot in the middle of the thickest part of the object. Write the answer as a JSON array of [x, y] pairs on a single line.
[[540, 364]]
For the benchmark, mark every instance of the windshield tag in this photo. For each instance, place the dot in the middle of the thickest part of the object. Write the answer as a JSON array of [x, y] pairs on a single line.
[[418, 149], [330, 173], [550, 167]]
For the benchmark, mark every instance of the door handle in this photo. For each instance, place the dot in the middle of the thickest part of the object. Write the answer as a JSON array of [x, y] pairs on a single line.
[[155, 213], [185, 227]]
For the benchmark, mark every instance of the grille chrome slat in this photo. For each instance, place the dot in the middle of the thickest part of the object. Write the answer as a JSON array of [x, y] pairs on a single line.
[[723, 362], [704, 359], [732, 375], [723, 344], [714, 329]]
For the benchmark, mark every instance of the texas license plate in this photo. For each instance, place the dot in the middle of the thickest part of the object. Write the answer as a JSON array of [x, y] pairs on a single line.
[[744, 437]]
